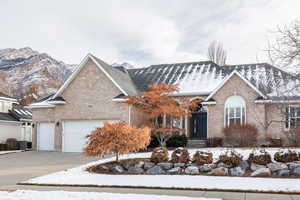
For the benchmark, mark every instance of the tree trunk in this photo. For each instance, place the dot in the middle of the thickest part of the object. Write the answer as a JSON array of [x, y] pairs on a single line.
[[117, 157]]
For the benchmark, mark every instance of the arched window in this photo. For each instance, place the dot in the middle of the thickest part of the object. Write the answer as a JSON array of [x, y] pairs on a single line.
[[235, 110]]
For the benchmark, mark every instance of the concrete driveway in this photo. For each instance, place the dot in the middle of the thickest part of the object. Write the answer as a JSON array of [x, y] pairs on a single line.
[[16, 167]]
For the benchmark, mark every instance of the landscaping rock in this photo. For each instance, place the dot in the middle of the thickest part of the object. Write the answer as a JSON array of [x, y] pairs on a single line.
[[237, 171], [148, 165], [261, 172], [117, 169], [206, 167], [139, 164], [296, 171], [244, 164], [191, 170], [283, 172], [135, 170], [179, 165], [221, 171], [255, 167], [222, 165], [156, 170], [165, 165], [276, 166], [102, 168], [293, 165], [175, 170], [127, 165]]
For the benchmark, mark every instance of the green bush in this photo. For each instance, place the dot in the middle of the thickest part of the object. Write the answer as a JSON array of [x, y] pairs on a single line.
[[3, 147], [174, 141]]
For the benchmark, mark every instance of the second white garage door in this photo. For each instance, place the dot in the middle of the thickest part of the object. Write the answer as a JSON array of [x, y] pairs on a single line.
[[75, 132]]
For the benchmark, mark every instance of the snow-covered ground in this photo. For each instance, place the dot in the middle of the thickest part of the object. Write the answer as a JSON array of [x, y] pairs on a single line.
[[63, 195], [7, 152], [78, 176]]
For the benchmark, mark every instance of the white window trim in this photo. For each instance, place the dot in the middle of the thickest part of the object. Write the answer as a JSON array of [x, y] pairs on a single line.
[[241, 108], [289, 117]]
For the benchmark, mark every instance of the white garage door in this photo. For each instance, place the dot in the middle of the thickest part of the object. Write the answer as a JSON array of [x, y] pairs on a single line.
[[46, 137], [75, 132]]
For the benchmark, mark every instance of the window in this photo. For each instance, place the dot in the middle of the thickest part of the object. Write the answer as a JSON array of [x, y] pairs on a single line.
[[235, 111], [293, 116], [1, 106]]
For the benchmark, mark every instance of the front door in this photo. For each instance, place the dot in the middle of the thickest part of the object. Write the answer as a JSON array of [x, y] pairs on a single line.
[[198, 126]]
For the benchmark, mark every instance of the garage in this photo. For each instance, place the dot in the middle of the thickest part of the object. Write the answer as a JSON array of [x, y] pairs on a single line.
[[46, 137], [75, 132]]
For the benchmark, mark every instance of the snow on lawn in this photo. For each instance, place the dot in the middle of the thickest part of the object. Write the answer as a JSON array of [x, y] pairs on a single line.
[[7, 152], [63, 195], [78, 176]]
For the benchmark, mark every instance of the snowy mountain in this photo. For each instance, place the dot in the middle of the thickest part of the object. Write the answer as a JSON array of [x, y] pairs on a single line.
[[125, 65], [25, 72]]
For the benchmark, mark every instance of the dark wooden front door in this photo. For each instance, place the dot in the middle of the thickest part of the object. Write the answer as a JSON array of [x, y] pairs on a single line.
[[198, 126]]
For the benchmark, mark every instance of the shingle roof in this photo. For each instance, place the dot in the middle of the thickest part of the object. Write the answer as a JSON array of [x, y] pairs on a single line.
[[120, 76], [6, 96], [20, 113], [7, 117]]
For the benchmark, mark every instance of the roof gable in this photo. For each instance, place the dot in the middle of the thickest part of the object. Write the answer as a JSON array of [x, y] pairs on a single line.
[[121, 80]]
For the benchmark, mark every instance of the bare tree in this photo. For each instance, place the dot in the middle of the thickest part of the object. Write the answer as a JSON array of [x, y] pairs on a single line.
[[216, 53], [284, 49]]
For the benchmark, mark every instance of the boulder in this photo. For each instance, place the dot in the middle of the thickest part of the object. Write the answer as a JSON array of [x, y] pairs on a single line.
[[296, 171], [139, 164], [293, 165], [255, 167], [156, 170], [283, 172], [135, 170], [102, 168], [206, 167], [175, 170], [148, 165], [237, 171], [222, 165], [191, 170], [244, 164], [127, 164], [179, 165], [221, 171], [276, 166], [261, 172], [117, 169], [165, 165]]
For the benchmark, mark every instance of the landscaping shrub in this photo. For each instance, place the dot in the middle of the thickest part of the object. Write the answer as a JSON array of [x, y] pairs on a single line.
[[241, 134], [260, 157], [159, 154], [286, 156], [3, 147], [231, 158], [293, 136], [201, 157], [180, 155], [174, 141], [12, 144], [215, 142], [177, 141]]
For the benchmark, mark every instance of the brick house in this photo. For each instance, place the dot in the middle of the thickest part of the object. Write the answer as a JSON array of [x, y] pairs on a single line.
[[258, 94]]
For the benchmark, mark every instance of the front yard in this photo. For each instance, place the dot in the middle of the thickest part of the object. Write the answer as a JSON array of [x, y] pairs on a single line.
[[81, 177]]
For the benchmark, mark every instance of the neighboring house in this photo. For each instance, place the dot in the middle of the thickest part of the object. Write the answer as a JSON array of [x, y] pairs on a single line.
[[15, 120], [92, 95]]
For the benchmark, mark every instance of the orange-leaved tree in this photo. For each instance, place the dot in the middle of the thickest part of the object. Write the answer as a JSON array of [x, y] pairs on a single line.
[[159, 102], [117, 138]]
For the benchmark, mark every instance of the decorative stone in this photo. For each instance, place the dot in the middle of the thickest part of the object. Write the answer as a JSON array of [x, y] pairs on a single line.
[[244, 164], [221, 171], [293, 165], [175, 170], [102, 168], [148, 165], [127, 164], [206, 167], [222, 165], [117, 169], [165, 165], [139, 164], [283, 172], [135, 170], [179, 165], [156, 170], [255, 167], [261, 172], [296, 171], [276, 166], [237, 171], [191, 170]]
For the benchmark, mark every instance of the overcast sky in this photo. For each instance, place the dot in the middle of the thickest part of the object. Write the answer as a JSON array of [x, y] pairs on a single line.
[[143, 32]]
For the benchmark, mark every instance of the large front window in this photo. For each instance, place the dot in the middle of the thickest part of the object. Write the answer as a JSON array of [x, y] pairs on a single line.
[[293, 117], [235, 111]]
